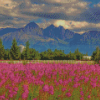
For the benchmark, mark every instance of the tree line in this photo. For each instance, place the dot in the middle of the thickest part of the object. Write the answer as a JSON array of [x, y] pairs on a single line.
[[31, 54]]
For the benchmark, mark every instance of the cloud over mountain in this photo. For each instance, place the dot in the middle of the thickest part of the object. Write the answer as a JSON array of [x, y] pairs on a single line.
[[17, 13]]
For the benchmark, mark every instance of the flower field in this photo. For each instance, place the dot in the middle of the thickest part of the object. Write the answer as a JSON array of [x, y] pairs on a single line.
[[49, 81]]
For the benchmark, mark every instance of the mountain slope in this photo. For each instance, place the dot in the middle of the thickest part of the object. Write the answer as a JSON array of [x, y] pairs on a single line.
[[51, 37]]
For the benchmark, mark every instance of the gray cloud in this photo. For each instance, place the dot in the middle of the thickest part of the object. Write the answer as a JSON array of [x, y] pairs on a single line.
[[91, 15], [17, 13], [5, 18]]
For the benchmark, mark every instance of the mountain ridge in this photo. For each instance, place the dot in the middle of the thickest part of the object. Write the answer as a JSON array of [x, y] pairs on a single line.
[[51, 37]]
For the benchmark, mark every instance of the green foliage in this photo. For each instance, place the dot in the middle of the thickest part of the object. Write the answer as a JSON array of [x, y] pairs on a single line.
[[94, 92], [78, 55], [76, 94], [14, 51], [96, 55], [31, 54], [27, 51], [2, 51], [37, 56], [6, 57]]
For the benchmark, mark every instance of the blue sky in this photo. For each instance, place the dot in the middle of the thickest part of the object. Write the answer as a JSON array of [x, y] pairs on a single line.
[[77, 15]]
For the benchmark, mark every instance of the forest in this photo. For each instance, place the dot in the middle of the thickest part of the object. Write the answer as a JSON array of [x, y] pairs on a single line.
[[31, 54]]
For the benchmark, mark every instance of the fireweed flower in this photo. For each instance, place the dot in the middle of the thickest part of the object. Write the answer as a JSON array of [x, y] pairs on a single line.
[[86, 79], [63, 89], [2, 97], [65, 82], [25, 87], [82, 77], [80, 88], [70, 80], [76, 79], [81, 93], [76, 85], [51, 87], [11, 95], [81, 98], [68, 94], [94, 80], [35, 99], [60, 81], [89, 96], [46, 88], [93, 84], [14, 93], [57, 83], [51, 92], [24, 95], [15, 88]]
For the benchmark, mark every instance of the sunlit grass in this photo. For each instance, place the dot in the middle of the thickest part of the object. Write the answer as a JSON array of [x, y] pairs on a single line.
[[50, 61]]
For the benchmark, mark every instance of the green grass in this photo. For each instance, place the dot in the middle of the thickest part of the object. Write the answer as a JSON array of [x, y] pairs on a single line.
[[50, 61]]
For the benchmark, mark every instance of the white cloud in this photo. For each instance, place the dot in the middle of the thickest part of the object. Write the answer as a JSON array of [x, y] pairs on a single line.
[[9, 4], [62, 1], [11, 13], [75, 26], [97, 5]]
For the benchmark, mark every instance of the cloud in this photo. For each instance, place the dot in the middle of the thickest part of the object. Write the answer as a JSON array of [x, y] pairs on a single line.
[[75, 15], [75, 26], [8, 4], [91, 15], [97, 5], [29, 10]]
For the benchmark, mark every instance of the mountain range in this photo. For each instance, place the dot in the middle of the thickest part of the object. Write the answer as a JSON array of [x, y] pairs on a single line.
[[51, 37]]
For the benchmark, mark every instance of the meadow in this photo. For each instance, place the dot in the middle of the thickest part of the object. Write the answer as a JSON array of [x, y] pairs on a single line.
[[50, 61], [49, 81]]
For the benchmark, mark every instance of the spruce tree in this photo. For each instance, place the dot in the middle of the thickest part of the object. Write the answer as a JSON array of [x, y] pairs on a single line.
[[14, 51], [6, 54], [27, 51], [2, 50]]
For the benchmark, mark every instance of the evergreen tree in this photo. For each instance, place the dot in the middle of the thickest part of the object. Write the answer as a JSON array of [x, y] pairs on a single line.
[[6, 54], [70, 55], [23, 55], [49, 54], [14, 51], [2, 51], [37, 56], [27, 51], [78, 55], [96, 55], [32, 53]]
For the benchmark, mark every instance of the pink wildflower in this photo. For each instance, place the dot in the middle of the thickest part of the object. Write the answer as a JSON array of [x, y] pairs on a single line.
[[46, 88], [51, 92], [16, 89], [63, 89], [3, 97], [68, 94], [76, 85], [25, 87], [89, 96], [93, 84], [11, 95], [35, 99], [24, 95], [60, 81], [81, 98], [81, 93]]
